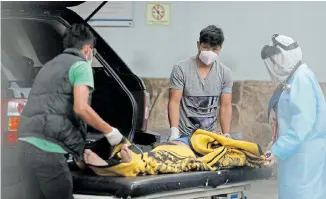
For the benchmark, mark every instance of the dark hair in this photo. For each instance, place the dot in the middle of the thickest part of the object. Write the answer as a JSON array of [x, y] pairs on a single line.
[[78, 35], [212, 36]]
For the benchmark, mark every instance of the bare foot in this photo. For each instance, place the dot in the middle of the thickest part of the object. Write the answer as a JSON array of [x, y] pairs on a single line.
[[125, 154], [93, 159]]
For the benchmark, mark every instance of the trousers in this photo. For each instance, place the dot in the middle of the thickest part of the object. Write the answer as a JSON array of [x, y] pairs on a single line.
[[45, 175]]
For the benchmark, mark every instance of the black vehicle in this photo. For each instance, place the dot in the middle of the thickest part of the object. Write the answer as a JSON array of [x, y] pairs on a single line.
[[31, 35]]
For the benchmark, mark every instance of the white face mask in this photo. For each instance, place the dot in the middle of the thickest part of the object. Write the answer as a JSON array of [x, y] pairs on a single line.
[[207, 57], [91, 58]]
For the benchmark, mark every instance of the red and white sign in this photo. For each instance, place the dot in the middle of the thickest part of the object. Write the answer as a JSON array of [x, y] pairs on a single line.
[[158, 13]]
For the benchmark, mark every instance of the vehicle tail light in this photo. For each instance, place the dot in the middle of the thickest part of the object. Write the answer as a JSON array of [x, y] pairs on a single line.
[[12, 138], [14, 111], [147, 104], [13, 123]]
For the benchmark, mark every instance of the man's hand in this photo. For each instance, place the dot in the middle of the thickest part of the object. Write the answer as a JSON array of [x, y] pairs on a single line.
[[114, 137], [174, 133]]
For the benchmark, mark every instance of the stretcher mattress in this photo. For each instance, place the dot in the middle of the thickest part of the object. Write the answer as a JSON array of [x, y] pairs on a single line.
[[123, 187]]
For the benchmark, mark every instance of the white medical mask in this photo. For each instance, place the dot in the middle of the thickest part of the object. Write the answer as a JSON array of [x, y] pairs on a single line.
[[207, 57], [90, 61], [91, 55], [91, 58]]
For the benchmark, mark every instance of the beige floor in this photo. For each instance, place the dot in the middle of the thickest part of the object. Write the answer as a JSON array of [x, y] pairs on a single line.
[[263, 190]]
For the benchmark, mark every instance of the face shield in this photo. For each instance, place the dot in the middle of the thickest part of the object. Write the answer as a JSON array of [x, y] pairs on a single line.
[[275, 74], [281, 57]]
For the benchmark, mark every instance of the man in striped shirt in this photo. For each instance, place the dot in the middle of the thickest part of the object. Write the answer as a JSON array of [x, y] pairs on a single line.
[[198, 86]]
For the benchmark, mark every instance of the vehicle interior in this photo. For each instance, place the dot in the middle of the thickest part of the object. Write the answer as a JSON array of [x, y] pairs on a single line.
[[24, 53]]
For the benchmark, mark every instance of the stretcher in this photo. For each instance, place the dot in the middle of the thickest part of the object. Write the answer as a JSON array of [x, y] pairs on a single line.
[[206, 184]]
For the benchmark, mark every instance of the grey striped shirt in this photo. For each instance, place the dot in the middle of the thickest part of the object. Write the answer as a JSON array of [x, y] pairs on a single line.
[[200, 100]]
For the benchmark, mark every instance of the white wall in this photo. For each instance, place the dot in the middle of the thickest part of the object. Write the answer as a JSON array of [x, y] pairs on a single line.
[[151, 51]]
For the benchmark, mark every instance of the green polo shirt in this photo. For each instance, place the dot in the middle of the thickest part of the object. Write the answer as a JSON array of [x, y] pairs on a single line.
[[80, 73]]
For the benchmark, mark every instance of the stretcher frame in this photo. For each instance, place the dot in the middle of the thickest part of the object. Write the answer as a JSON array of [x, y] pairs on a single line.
[[223, 191]]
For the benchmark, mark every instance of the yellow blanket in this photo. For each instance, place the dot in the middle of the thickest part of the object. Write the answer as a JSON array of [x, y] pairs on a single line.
[[213, 152]]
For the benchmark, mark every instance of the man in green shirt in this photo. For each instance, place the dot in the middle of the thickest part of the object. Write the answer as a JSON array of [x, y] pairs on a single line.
[[80, 73], [54, 120]]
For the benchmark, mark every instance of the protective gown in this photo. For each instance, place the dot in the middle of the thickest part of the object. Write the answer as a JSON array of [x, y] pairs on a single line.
[[300, 146]]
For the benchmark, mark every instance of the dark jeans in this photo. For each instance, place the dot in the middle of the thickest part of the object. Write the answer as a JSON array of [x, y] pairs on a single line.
[[46, 175]]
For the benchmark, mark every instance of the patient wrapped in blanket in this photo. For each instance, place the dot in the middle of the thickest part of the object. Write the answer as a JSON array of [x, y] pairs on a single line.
[[206, 151]]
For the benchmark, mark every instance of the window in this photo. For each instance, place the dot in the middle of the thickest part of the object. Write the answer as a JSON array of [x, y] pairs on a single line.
[[26, 46]]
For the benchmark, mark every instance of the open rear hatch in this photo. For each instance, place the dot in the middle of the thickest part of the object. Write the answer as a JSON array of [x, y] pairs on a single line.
[[48, 4], [131, 85], [54, 5]]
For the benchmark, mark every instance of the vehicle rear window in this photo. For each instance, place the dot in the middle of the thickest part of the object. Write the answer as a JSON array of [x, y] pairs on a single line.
[[26, 46], [46, 41]]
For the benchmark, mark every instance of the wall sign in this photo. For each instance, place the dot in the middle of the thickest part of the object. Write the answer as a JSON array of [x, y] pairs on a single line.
[[158, 13]]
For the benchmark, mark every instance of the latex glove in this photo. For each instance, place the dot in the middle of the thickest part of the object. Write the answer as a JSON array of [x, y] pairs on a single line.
[[114, 137], [174, 133], [270, 158], [227, 135]]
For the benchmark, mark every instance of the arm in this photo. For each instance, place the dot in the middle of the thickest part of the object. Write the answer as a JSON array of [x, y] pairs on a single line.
[[175, 95], [81, 78], [85, 112], [174, 107], [302, 110], [225, 113]]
